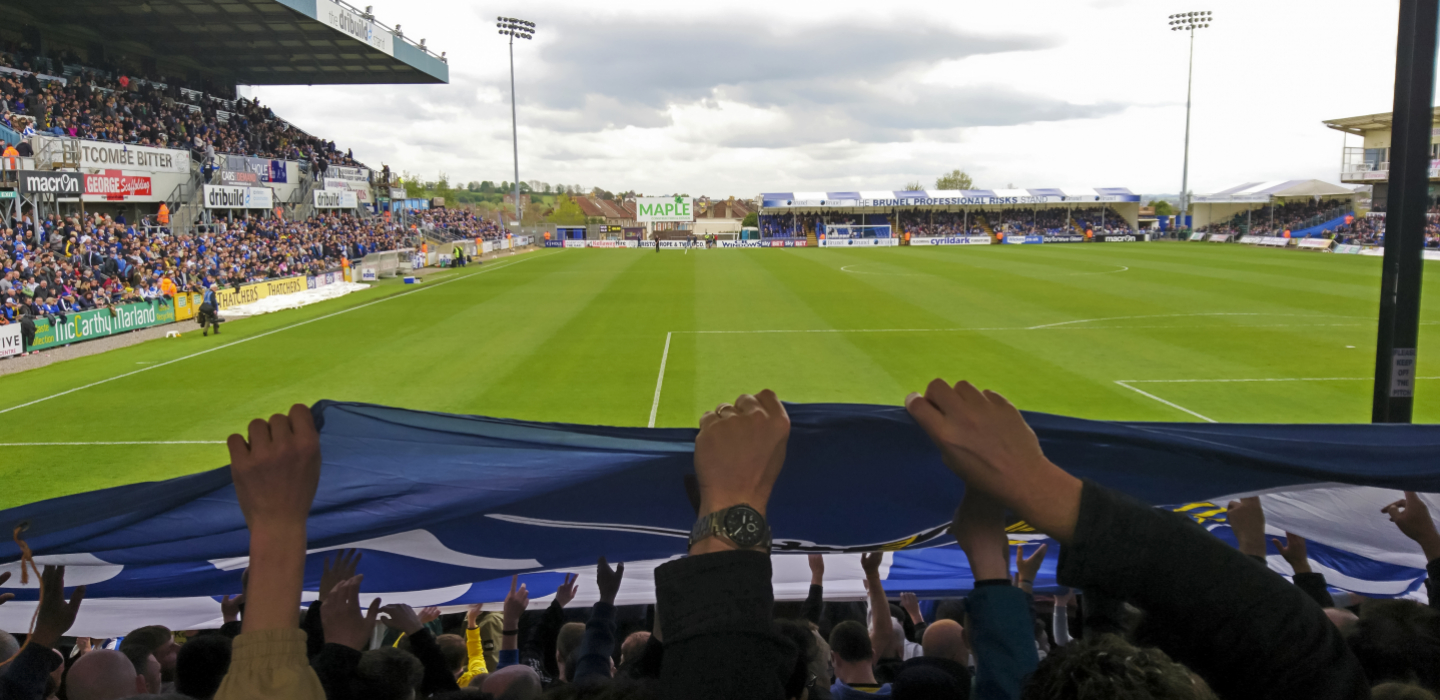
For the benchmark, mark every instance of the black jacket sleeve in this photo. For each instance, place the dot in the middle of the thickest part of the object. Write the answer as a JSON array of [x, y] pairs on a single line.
[[598, 647], [336, 665], [1433, 569], [1314, 586], [542, 637], [314, 630], [25, 675], [719, 639], [1207, 605], [815, 603], [438, 678]]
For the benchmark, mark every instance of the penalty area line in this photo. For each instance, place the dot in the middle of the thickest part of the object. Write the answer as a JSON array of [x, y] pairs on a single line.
[[660, 379], [512, 263], [1167, 403]]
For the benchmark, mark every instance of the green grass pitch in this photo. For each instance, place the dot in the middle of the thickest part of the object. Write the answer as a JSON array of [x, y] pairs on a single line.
[[1220, 332]]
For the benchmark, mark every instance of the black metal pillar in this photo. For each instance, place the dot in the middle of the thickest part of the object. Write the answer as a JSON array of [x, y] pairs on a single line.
[[1405, 212]]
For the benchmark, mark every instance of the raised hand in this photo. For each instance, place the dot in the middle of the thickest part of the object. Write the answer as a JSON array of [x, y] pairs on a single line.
[[1026, 568], [230, 607], [6, 597], [817, 569], [738, 455], [275, 474], [277, 470], [429, 614], [1294, 552], [985, 441], [979, 528], [340, 616], [399, 616], [1412, 516], [1247, 520], [911, 605], [340, 567], [515, 603], [870, 563], [472, 614], [608, 581], [55, 616], [567, 590]]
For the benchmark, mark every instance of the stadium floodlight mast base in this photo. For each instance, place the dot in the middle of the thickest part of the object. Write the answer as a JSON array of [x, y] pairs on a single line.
[[512, 27], [1188, 21]]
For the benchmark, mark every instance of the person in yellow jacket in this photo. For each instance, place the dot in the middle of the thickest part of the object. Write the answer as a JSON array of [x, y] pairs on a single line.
[[474, 646]]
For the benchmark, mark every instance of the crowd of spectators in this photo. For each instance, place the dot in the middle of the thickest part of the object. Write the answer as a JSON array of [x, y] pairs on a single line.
[[60, 265], [1275, 220], [939, 224], [92, 104], [458, 224], [1158, 609], [787, 225]]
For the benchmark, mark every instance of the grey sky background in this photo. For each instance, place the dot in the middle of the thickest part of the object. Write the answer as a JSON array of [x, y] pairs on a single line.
[[750, 96]]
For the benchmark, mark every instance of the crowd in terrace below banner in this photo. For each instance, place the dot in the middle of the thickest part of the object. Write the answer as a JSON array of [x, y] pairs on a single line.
[[1159, 608], [458, 224], [58, 266], [939, 224], [1275, 220], [787, 225], [127, 109]]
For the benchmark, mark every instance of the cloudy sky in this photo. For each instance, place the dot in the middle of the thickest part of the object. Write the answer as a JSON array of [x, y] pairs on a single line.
[[746, 96]]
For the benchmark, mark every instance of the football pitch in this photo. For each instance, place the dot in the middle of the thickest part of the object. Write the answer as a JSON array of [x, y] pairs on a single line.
[[1141, 331]]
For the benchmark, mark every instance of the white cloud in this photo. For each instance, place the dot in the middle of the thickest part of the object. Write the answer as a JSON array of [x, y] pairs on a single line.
[[760, 96]]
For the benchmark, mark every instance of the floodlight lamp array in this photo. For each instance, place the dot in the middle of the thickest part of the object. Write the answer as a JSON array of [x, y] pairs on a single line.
[[518, 28], [1190, 20]]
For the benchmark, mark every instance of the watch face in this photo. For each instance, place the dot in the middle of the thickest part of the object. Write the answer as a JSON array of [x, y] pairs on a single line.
[[745, 526]]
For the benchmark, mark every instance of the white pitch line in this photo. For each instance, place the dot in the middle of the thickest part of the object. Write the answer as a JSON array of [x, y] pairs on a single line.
[[660, 380], [512, 263], [1123, 318], [1167, 403], [1280, 379], [132, 442]]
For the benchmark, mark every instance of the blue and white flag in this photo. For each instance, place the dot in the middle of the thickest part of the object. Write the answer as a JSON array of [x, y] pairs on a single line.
[[447, 508]]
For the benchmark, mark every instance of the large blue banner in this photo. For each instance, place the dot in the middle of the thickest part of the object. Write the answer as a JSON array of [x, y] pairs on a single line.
[[448, 507]]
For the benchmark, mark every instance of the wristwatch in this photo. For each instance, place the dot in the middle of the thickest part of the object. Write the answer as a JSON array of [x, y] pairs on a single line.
[[740, 524]]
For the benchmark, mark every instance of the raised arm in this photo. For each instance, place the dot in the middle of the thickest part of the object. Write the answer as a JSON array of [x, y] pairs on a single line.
[[1412, 516], [597, 649], [1243, 629], [716, 605], [882, 631], [1001, 628], [815, 601], [1298, 557], [1027, 568], [276, 473], [515, 603]]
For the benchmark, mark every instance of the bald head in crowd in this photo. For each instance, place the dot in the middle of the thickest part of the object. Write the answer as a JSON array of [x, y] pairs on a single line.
[[945, 639], [103, 675], [519, 682]]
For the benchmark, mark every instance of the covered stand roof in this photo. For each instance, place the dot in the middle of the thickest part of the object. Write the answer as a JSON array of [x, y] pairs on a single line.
[[255, 42], [1265, 191], [925, 198]]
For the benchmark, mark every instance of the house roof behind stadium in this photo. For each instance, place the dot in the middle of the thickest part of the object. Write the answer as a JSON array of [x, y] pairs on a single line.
[[256, 42], [918, 198], [1264, 191]]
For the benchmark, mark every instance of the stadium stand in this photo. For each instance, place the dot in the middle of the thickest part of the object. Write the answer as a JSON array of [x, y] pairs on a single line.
[[1274, 219]]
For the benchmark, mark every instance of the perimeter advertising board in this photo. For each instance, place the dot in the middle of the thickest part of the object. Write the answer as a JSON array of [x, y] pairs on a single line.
[[61, 185], [951, 240], [664, 209], [99, 323], [229, 197], [336, 199], [11, 342]]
